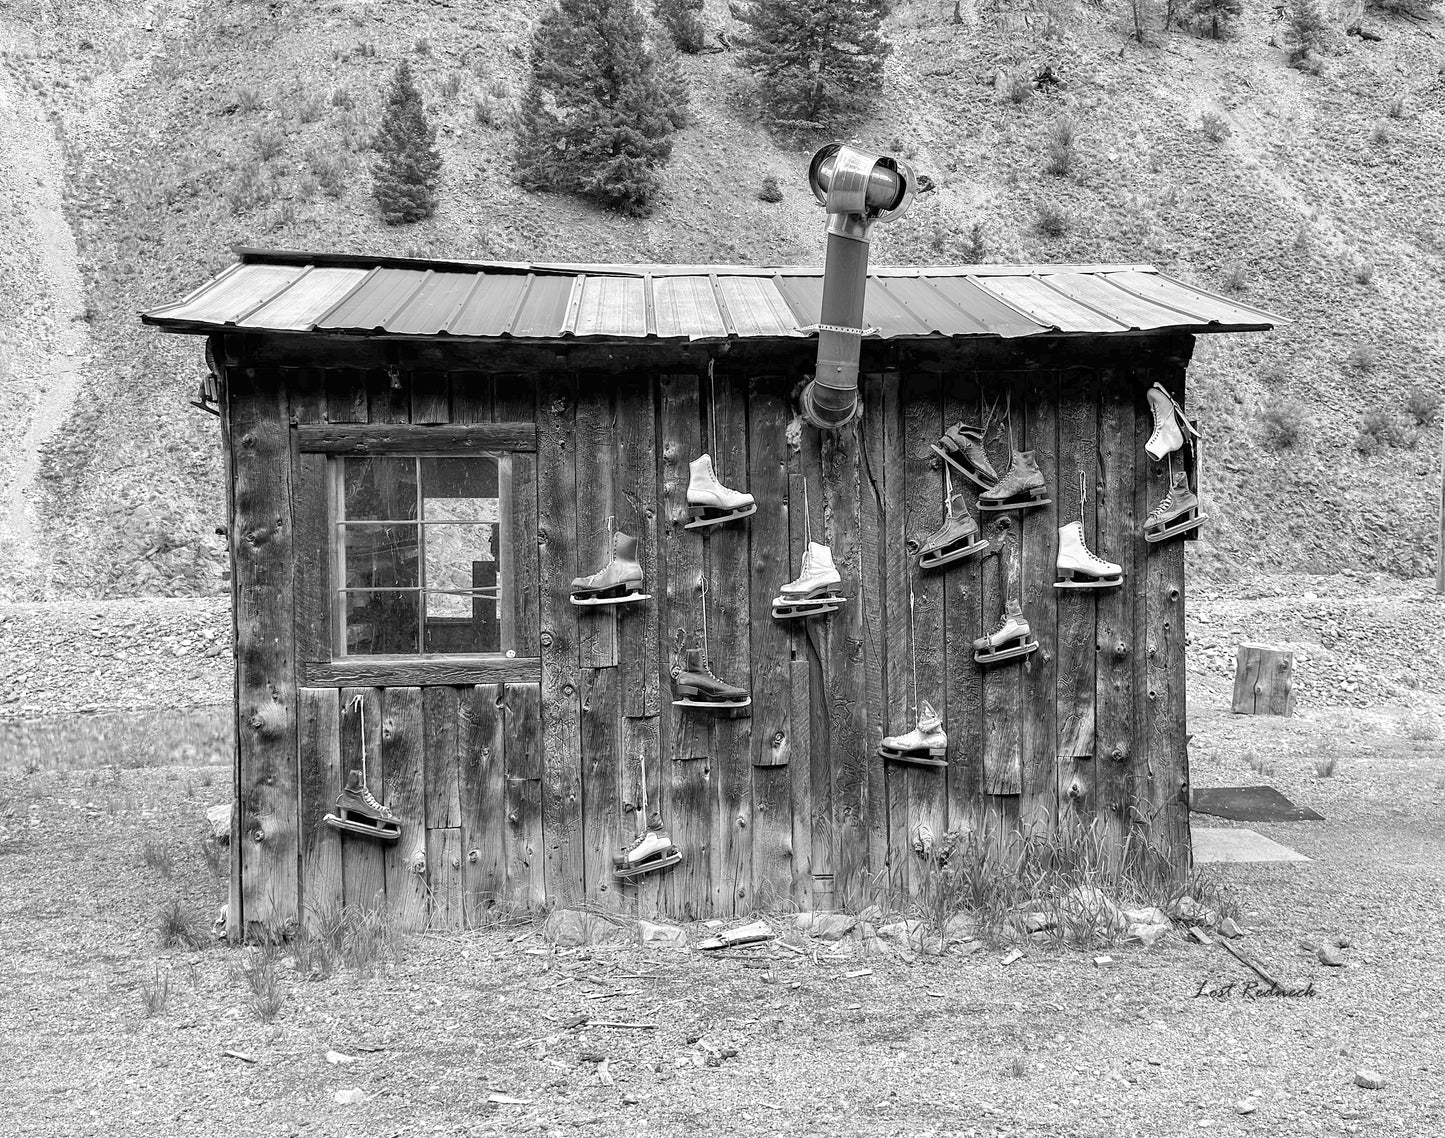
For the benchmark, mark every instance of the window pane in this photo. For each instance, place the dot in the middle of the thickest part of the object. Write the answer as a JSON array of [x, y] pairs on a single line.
[[381, 622], [382, 488], [382, 556], [463, 622], [459, 478]]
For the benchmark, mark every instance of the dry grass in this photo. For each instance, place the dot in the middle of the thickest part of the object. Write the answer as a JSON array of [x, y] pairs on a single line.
[[155, 993], [179, 927]]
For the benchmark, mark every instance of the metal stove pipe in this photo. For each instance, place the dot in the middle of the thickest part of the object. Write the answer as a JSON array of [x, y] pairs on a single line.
[[858, 189]]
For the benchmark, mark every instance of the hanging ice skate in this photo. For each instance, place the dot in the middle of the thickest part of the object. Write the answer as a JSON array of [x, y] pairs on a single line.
[[815, 591], [925, 746], [957, 538], [1170, 425], [709, 502], [1021, 488], [651, 850], [1011, 638], [357, 810], [1177, 514], [619, 582], [961, 447], [693, 682], [1077, 566]]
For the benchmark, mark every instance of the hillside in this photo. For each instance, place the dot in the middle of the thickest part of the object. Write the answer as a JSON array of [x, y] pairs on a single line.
[[138, 141]]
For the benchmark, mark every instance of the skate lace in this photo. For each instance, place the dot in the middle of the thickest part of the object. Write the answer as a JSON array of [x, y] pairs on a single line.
[[1163, 507], [369, 798]]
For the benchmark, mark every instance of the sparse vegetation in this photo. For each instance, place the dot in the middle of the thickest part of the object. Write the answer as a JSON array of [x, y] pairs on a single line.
[[179, 927], [1379, 430], [816, 65], [600, 109], [1216, 126], [451, 85], [156, 857], [1363, 271], [484, 110], [1280, 423], [406, 176], [1307, 34], [1361, 358], [342, 99], [1061, 147], [770, 191], [422, 45], [268, 144], [309, 108], [683, 21], [155, 993], [1399, 106], [248, 100], [1423, 404], [1417, 8], [1052, 220], [1236, 277], [975, 246], [1020, 89], [1380, 133], [1325, 765], [1215, 16]]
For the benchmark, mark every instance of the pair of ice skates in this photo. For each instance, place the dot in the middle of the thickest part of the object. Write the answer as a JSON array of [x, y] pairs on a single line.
[[1022, 486], [1179, 512], [653, 850]]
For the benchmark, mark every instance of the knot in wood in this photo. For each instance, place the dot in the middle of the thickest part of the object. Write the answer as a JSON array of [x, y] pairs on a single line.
[[258, 835], [1118, 754], [568, 691], [778, 739], [1121, 649], [546, 639], [474, 856], [418, 864]]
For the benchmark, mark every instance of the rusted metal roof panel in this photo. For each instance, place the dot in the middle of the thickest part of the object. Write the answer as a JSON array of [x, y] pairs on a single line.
[[401, 297]]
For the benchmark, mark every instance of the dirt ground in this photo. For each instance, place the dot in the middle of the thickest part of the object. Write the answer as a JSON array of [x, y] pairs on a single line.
[[768, 1040]]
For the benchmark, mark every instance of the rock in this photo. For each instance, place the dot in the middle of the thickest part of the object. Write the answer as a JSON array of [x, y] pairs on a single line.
[[219, 818], [1032, 921], [1187, 909], [1149, 915], [569, 927], [1092, 904], [827, 926], [900, 930], [1227, 927], [959, 927], [1370, 1080], [1330, 956], [1246, 1106], [350, 1097], [663, 936], [337, 1058], [1145, 933], [1344, 942]]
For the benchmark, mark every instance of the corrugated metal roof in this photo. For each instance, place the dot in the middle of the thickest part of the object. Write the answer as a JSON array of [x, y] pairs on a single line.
[[301, 292]]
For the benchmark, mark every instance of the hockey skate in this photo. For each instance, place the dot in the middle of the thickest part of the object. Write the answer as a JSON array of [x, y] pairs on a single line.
[[1078, 567], [652, 851], [815, 592], [709, 502], [358, 812], [962, 448], [1021, 488], [1167, 437], [1178, 513], [956, 539], [926, 745], [619, 582], [1009, 639], [694, 685]]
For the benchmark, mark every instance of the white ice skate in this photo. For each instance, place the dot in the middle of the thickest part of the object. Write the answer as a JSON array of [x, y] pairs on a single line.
[[619, 582], [652, 851], [709, 502], [926, 745], [1078, 567], [815, 592], [1167, 437], [1009, 639]]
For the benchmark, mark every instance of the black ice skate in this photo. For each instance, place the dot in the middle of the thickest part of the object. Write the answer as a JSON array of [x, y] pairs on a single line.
[[1010, 638], [695, 686], [956, 539], [649, 853], [962, 448], [815, 591], [925, 746], [1021, 488], [358, 812], [1178, 513], [619, 582]]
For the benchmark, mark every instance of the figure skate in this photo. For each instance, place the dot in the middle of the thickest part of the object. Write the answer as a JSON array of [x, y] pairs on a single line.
[[694, 685], [815, 592], [1009, 639], [1078, 567], [926, 745], [1178, 513], [709, 502], [619, 582], [358, 812]]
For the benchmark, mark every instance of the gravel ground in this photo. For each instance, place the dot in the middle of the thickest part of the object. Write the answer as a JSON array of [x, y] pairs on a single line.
[[961, 1044]]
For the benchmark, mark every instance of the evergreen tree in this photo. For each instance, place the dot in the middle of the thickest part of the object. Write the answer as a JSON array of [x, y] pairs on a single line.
[[600, 108], [683, 22], [408, 167], [1307, 30], [818, 63], [1217, 14]]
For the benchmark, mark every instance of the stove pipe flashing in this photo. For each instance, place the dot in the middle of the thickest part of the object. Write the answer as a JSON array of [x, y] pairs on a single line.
[[858, 189]]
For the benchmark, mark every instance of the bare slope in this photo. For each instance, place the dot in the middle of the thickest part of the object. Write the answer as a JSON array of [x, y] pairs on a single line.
[[248, 122]]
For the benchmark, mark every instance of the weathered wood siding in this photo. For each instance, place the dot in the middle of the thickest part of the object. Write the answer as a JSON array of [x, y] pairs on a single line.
[[519, 790]]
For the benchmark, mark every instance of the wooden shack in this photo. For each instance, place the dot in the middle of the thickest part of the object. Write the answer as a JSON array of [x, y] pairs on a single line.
[[496, 421]]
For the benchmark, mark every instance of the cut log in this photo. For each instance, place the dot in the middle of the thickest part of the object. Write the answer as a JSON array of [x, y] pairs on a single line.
[[1263, 680]]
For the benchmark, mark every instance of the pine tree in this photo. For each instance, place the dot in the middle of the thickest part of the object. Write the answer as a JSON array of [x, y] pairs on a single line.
[[1307, 30], [408, 167], [683, 22], [600, 108], [817, 64], [1217, 14]]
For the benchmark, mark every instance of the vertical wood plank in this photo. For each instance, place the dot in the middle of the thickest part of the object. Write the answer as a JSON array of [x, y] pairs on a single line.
[[263, 557], [482, 761], [1118, 533], [922, 673], [345, 395], [473, 395], [1077, 608], [1002, 768], [388, 395], [642, 758], [898, 626], [872, 483], [773, 744], [431, 397], [800, 767], [688, 888], [439, 733], [635, 466], [407, 880], [445, 872], [307, 393], [601, 784], [319, 763], [596, 502], [1039, 531], [363, 860], [726, 565], [963, 620], [524, 839], [562, 745]]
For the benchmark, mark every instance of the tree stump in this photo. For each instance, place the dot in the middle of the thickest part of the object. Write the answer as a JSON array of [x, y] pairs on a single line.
[[1263, 680]]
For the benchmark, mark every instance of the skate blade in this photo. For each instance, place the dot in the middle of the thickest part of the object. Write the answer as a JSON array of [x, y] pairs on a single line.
[[716, 706], [1014, 504], [662, 861], [1158, 535], [937, 560], [382, 832], [913, 758], [977, 479], [1090, 582], [625, 599], [999, 655], [704, 521], [803, 612]]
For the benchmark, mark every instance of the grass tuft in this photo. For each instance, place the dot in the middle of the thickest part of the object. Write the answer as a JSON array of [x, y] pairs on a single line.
[[179, 927], [1052, 220], [1423, 404], [1282, 425], [1325, 766], [155, 993], [156, 857], [770, 191]]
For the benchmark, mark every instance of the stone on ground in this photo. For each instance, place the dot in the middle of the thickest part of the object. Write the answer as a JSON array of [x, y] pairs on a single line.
[[664, 936], [219, 817], [570, 927], [1370, 1080], [1330, 956], [827, 926]]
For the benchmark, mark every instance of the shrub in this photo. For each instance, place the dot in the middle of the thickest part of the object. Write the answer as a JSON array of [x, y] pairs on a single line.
[[452, 85], [309, 108], [248, 99], [1061, 147], [1052, 220], [269, 143], [1282, 425], [407, 172], [484, 111], [365, 49], [155, 993], [1307, 31], [1423, 404], [1020, 89], [158, 858], [683, 21], [1378, 430], [816, 64], [770, 191], [422, 46], [1399, 106], [1363, 271], [1361, 358], [1216, 126], [600, 109], [342, 99], [1236, 278], [975, 247], [1380, 133], [938, 237]]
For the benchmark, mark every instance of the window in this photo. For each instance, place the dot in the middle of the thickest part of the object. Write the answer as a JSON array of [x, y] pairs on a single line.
[[423, 557]]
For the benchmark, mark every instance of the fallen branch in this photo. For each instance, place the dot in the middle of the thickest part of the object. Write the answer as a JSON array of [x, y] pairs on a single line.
[[624, 1026]]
